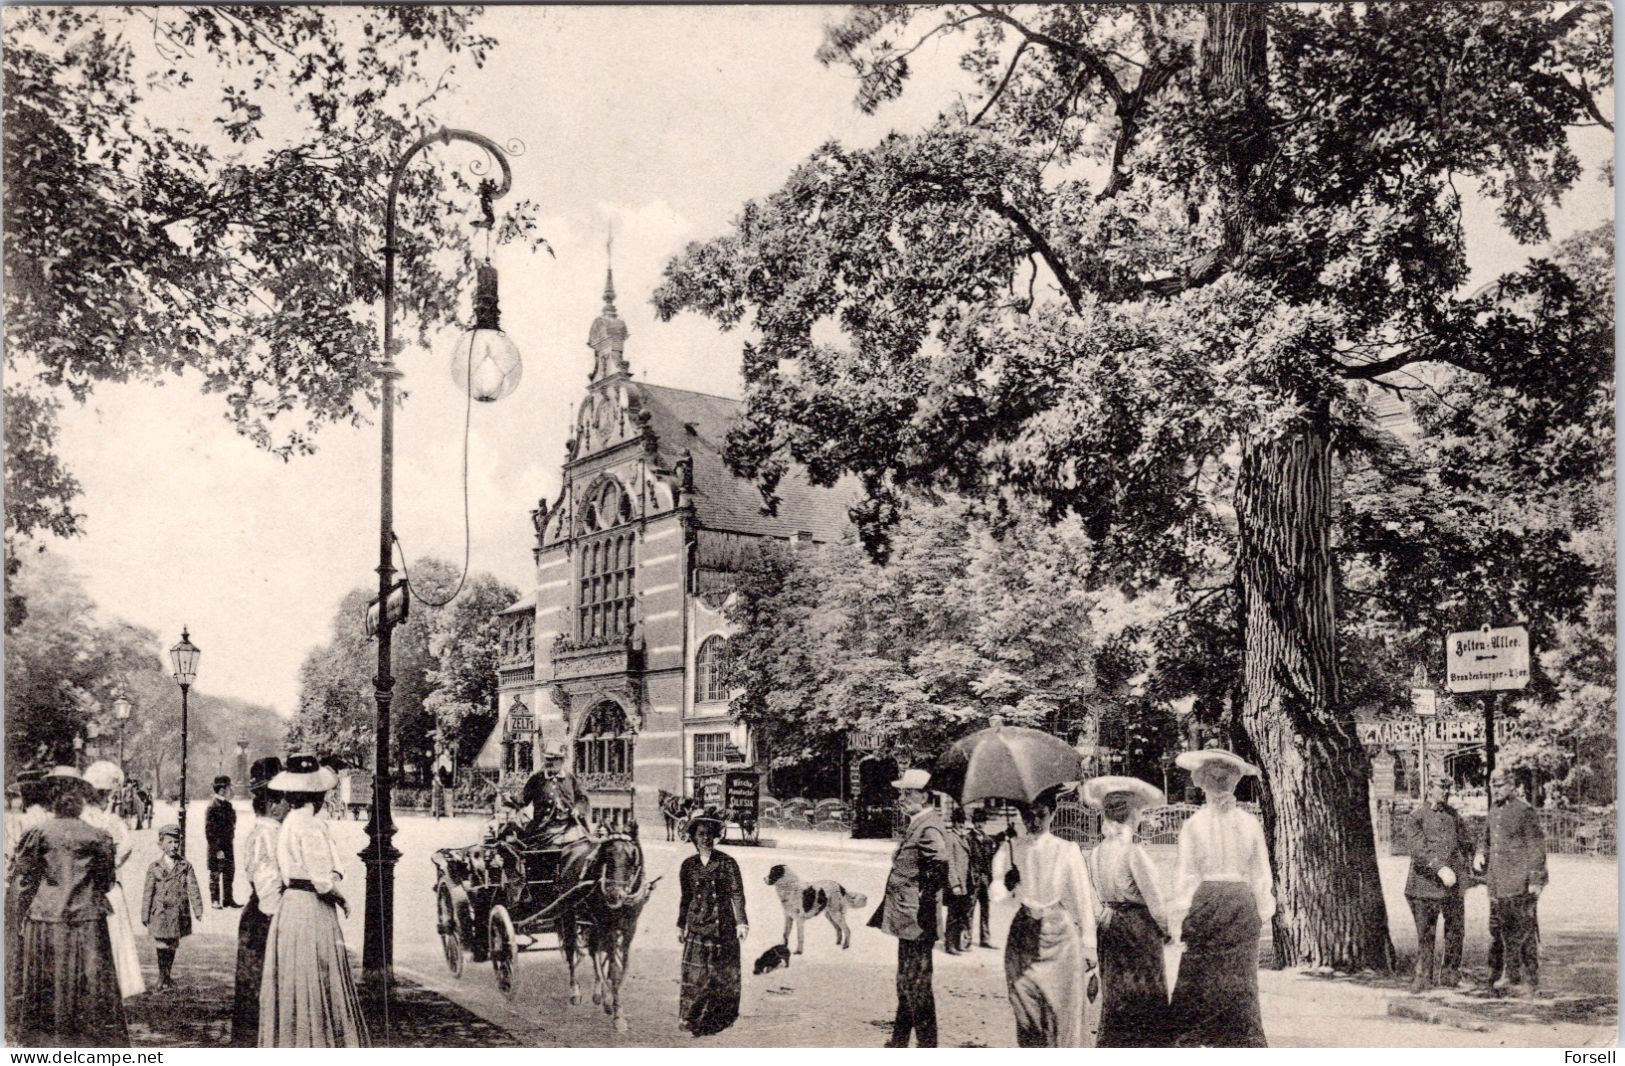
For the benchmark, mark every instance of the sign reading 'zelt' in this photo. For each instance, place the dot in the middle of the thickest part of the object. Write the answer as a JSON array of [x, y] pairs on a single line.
[[1488, 660]]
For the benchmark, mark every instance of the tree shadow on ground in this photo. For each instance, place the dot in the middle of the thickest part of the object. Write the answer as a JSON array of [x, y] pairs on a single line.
[[197, 1013], [1578, 984]]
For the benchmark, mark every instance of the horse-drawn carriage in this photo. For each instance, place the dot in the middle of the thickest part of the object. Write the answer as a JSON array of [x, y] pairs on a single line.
[[500, 897]]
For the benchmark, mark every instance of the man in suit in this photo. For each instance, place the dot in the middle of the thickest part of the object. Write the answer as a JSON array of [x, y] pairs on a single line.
[[908, 911], [1516, 875], [1439, 850], [983, 846], [219, 829]]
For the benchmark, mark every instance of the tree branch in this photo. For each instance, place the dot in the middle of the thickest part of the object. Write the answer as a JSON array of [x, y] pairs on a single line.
[[993, 98], [1093, 62], [1069, 284]]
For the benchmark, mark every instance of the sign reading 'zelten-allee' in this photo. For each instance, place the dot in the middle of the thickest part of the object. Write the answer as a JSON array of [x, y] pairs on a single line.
[[1488, 660]]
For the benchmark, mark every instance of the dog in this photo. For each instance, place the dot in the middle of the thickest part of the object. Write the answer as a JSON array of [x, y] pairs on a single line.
[[802, 900], [774, 957]]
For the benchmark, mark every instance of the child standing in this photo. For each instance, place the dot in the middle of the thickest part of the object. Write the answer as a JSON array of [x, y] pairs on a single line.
[[170, 900]]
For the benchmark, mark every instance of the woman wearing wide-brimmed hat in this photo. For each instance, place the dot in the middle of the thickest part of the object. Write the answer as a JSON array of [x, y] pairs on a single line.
[[711, 923], [1134, 923], [265, 896], [307, 992], [107, 779], [1049, 952], [1223, 894], [62, 987]]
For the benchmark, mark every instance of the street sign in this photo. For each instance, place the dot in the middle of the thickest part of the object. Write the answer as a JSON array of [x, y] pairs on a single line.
[[1425, 701], [399, 603], [1488, 660]]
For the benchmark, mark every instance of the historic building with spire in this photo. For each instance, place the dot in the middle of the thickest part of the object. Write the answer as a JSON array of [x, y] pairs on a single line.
[[620, 655]]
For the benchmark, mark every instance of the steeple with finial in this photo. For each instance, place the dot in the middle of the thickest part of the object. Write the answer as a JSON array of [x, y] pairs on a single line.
[[608, 336]]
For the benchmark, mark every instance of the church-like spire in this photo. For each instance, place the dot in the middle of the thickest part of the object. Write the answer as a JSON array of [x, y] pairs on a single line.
[[608, 336]]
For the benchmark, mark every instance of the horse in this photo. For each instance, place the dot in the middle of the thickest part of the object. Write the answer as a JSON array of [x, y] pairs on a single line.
[[675, 809], [603, 892]]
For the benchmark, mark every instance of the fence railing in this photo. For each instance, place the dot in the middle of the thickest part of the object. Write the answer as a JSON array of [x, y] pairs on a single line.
[[1567, 832]]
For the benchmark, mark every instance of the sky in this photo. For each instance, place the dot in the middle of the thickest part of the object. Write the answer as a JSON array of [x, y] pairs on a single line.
[[656, 123]]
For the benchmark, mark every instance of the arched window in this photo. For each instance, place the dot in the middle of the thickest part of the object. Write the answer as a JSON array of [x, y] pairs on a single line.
[[713, 671], [604, 744], [604, 607]]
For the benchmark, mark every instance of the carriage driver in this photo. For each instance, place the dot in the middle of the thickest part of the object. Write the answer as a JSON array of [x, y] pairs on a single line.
[[557, 802]]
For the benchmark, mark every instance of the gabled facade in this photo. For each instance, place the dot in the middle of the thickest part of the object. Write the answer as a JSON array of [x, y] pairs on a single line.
[[622, 653]]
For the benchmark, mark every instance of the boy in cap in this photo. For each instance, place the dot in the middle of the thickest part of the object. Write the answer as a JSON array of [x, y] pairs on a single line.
[[1439, 849], [219, 828], [170, 901]]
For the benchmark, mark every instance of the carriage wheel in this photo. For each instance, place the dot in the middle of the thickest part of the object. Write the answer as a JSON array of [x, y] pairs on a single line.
[[504, 948], [451, 932]]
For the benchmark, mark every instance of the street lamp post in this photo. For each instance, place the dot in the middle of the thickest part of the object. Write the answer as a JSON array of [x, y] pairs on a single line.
[[184, 656], [121, 711], [242, 765], [488, 365]]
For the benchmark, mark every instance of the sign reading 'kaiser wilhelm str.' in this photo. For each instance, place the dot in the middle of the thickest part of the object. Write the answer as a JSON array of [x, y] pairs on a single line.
[[1488, 660]]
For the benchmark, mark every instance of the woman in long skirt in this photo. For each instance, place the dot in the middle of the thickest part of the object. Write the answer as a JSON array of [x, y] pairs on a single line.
[[64, 990], [1049, 953], [107, 779], [307, 992], [1224, 896], [711, 924], [265, 882], [1134, 924]]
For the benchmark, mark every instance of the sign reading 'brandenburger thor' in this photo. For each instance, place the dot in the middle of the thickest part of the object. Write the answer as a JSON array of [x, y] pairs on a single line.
[[1488, 660]]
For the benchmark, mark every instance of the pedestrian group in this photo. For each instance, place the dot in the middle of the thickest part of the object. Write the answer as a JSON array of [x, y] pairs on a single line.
[[71, 957]]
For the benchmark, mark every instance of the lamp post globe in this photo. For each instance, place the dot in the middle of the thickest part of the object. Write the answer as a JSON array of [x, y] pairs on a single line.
[[121, 712], [184, 657]]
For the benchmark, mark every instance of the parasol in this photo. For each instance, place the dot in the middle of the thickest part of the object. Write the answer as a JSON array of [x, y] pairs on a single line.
[[1005, 762]]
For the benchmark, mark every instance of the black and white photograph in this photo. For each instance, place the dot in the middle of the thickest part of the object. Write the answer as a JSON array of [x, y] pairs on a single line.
[[754, 526]]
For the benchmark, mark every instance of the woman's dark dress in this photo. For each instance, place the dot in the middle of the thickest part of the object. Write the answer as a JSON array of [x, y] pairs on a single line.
[[711, 912], [62, 988]]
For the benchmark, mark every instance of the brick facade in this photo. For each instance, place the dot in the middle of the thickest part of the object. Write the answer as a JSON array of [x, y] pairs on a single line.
[[633, 562]]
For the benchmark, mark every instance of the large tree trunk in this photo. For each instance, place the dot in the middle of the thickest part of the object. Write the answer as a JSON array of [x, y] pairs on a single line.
[[1330, 906]]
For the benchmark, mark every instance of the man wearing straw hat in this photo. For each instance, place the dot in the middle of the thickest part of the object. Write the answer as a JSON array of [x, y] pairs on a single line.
[[908, 910]]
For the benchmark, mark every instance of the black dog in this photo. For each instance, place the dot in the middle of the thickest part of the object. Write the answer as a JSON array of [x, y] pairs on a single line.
[[774, 957]]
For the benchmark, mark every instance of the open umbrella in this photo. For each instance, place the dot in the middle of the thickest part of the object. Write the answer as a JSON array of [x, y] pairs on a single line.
[[1005, 762]]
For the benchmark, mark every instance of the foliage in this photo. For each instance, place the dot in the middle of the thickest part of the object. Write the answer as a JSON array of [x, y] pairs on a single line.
[[64, 663], [465, 641], [957, 626], [201, 189], [1138, 278], [443, 663]]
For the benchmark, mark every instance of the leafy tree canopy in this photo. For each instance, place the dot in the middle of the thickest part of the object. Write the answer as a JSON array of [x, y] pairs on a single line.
[[201, 189]]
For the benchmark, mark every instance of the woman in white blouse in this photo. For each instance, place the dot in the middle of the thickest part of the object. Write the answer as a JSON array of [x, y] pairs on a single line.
[[265, 879], [1134, 921], [1049, 953], [1223, 896], [307, 993], [106, 779]]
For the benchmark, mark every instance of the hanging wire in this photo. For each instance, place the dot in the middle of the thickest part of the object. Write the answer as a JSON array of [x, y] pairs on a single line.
[[468, 418]]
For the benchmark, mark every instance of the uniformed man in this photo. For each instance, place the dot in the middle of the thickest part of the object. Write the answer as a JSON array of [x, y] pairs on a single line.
[[1516, 876], [1440, 851], [219, 829], [908, 911], [556, 799]]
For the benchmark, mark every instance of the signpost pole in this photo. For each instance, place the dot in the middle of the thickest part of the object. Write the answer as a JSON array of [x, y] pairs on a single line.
[[1422, 759]]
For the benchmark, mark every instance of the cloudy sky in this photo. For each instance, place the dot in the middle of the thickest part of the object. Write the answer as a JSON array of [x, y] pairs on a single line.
[[659, 123]]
